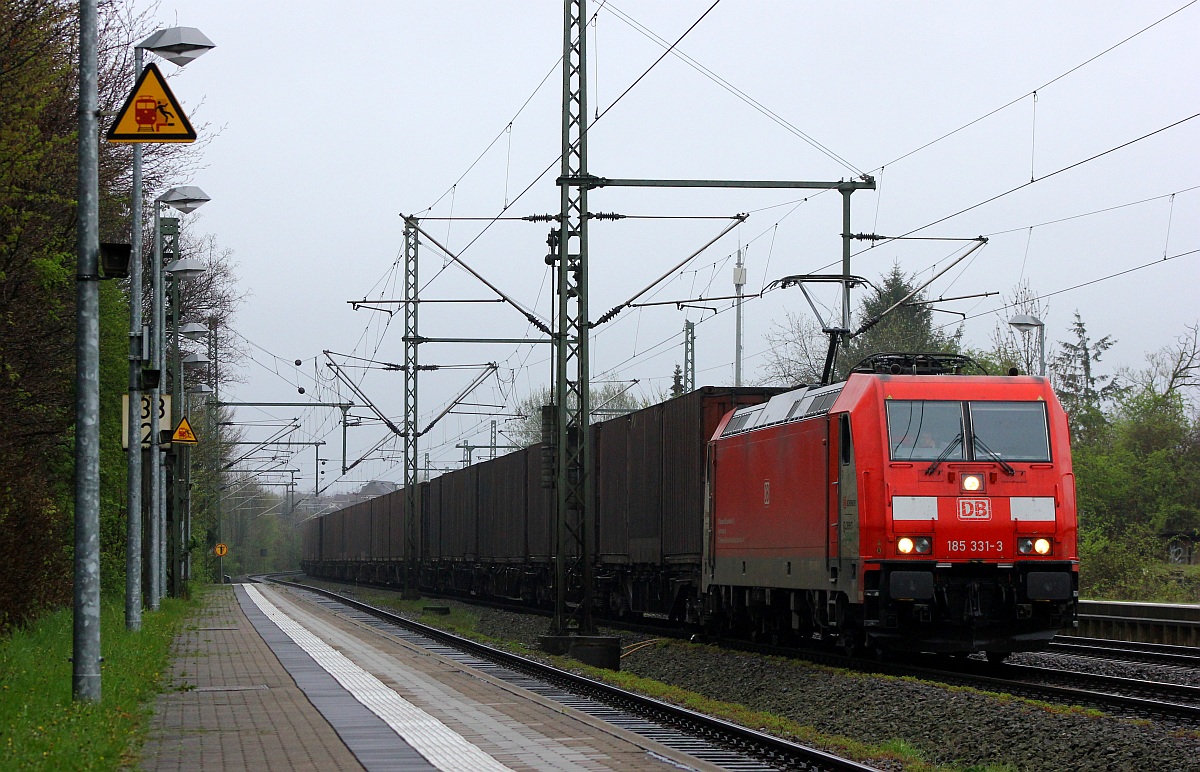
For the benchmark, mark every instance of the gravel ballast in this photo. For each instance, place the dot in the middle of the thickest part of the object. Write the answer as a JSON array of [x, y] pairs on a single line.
[[958, 728]]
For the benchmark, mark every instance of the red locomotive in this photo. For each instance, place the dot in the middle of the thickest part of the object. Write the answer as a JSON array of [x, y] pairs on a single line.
[[926, 512], [900, 509]]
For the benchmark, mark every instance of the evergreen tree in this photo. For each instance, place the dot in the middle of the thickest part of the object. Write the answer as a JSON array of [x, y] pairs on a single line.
[[1080, 388], [799, 348]]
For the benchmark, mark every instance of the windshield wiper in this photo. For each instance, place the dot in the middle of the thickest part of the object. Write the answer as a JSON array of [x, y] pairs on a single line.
[[1007, 467], [945, 454]]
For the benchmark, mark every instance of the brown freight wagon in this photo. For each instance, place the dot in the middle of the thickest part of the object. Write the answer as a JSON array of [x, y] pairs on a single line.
[[489, 529]]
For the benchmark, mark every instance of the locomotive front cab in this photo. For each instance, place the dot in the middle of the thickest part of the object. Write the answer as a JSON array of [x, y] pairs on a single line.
[[976, 549]]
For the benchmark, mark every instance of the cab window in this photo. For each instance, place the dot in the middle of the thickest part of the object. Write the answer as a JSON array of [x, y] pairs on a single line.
[[1013, 431], [923, 430]]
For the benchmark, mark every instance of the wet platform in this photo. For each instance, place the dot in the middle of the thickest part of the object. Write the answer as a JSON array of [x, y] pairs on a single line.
[[262, 680]]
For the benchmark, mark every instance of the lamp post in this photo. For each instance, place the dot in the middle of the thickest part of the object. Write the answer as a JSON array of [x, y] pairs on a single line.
[[85, 667], [181, 270], [204, 391], [1027, 323], [185, 199], [179, 45]]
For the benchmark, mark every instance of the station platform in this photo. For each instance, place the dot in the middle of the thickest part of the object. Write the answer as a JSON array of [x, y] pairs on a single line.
[[262, 681]]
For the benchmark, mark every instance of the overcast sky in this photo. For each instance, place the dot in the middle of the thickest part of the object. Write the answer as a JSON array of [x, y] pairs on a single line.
[[326, 121]]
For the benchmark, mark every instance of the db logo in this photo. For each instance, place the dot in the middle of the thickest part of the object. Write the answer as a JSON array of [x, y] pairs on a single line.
[[974, 509]]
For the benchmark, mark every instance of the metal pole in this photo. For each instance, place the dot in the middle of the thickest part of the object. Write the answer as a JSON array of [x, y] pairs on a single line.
[[739, 282], [85, 682], [846, 257], [216, 441], [167, 250], [1042, 349], [412, 502], [573, 479], [185, 562], [175, 541], [689, 357], [133, 519], [154, 590]]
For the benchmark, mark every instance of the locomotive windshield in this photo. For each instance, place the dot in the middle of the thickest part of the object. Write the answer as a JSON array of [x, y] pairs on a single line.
[[1013, 431], [922, 430]]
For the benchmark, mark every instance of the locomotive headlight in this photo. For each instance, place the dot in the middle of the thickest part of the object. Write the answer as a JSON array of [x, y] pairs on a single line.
[[1027, 545], [907, 545], [972, 483]]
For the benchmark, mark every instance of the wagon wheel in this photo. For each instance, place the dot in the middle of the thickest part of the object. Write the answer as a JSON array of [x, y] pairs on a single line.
[[851, 641], [997, 657]]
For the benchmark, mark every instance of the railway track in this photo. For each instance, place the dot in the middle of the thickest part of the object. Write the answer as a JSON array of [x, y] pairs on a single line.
[[720, 742], [1128, 651], [1127, 697]]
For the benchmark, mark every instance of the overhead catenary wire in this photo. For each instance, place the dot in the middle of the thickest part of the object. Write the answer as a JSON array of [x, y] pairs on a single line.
[[529, 351], [743, 96], [1090, 282], [1023, 185], [1042, 87], [618, 308]]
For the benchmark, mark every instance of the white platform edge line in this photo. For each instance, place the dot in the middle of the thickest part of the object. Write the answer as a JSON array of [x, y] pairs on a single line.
[[442, 746]]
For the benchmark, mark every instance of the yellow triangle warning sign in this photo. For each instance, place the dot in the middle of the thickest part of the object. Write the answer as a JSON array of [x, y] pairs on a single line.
[[183, 433], [151, 113]]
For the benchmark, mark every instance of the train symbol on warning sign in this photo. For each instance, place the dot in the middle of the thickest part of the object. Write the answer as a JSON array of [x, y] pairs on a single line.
[[149, 114]]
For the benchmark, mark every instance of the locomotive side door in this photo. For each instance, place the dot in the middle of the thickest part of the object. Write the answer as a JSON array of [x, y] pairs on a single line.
[[843, 507]]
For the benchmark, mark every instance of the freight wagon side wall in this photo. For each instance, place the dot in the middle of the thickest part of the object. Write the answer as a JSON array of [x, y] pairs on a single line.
[[539, 518], [434, 519], [502, 508], [646, 460], [397, 526], [335, 525], [460, 520], [688, 423], [613, 465], [380, 509], [310, 544], [360, 531]]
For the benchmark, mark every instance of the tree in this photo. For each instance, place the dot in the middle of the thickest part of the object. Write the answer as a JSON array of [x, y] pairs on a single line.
[[1137, 467], [38, 180], [1080, 388], [38, 176], [1011, 348], [799, 348], [1172, 371], [797, 353]]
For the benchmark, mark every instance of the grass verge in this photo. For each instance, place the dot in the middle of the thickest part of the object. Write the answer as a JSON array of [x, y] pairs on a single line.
[[42, 728]]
